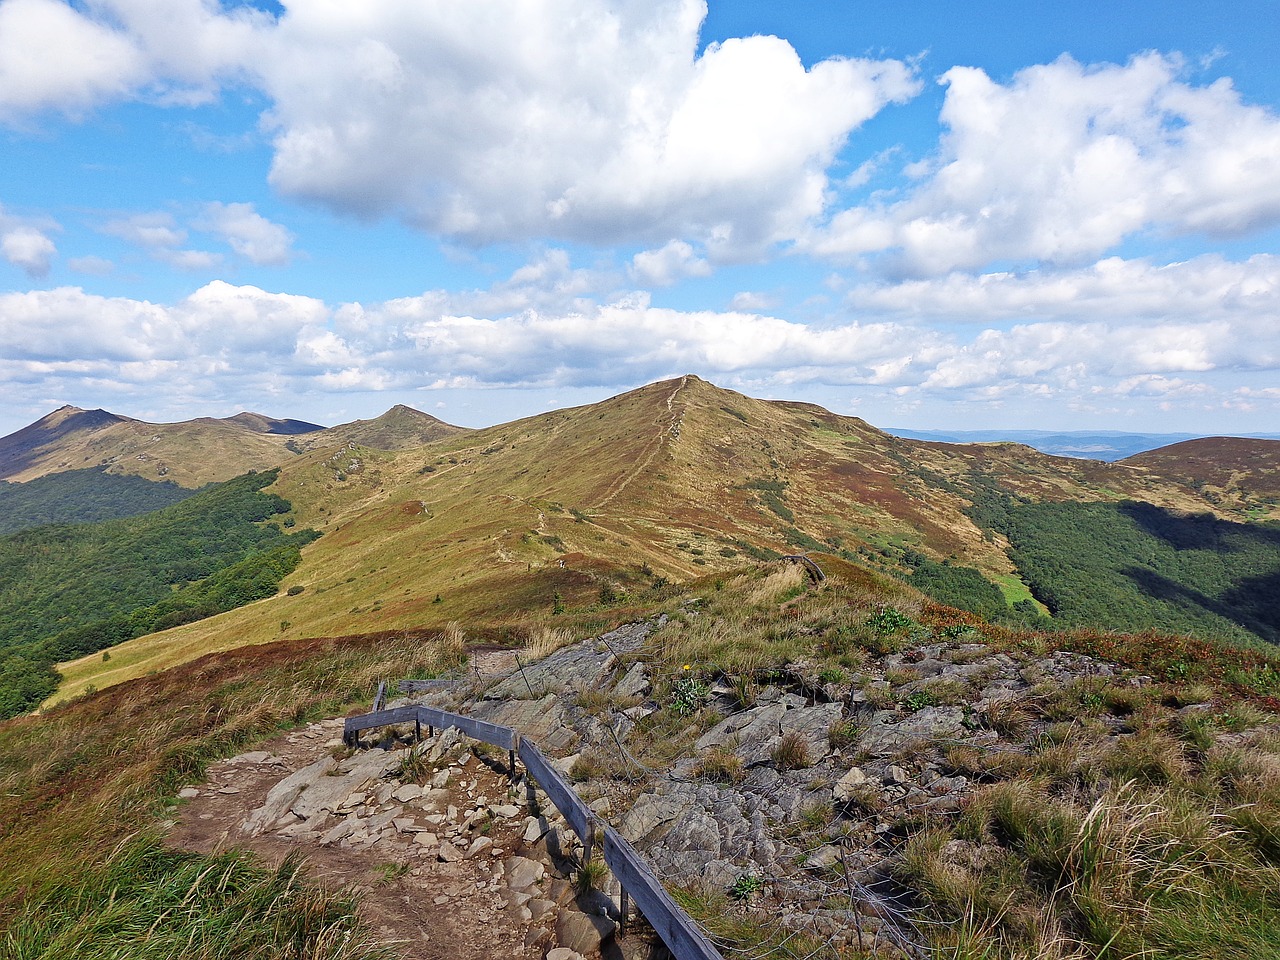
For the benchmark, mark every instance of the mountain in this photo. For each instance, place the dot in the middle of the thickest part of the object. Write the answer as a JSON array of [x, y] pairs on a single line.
[[192, 453], [1109, 445], [1232, 472], [400, 428], [668, 482], [260, 424], [914, 773]]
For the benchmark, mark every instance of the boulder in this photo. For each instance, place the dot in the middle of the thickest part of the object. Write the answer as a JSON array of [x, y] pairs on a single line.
[[284, 794], [583, 933]]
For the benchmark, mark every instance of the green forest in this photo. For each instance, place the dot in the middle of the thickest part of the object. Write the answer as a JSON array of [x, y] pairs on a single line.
[[67, 590], [82, 496], [1133, 566]]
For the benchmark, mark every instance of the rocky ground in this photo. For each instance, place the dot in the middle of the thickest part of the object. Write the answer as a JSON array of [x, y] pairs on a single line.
[[435, 841], [791, 797]]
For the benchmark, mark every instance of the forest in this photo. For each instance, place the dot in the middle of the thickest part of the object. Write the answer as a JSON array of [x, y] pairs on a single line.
[[1133, 566], [82, 496], [71, 589]]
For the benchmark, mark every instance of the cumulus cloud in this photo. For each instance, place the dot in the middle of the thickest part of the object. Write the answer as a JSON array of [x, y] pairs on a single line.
[[27, 248], [96, 63], [249, 233], [1066, 161], [591, 121], [25, 242], [1153, 332], [177, 52], [668, 264]]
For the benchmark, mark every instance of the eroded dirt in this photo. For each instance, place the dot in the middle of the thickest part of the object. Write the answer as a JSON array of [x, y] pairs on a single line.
[[429, 909]]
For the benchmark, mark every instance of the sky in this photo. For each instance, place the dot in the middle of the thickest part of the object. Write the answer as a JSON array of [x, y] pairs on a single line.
[[931, 215]]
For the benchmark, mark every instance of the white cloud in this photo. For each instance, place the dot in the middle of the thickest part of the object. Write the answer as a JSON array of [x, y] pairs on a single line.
[[27, 248], [152, 231], [748, 301], [1066, 161], [1116, 333], [242, 228], [668, 264], [1207, 287], [94, 62], [248, 233], [589, 120], [175, 52]]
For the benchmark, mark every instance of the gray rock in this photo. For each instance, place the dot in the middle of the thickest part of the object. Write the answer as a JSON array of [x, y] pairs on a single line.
[[583, 933], [535, 828], [814, 724], [750, 733], [544, 721], [522, 873], [648, 814], [343, 830], [635, 682], [448, 853], [408, 793], [847, 787], [283, 795]]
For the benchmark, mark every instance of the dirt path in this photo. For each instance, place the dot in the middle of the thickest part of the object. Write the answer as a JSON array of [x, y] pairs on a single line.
[[431, 909], [671, 429]]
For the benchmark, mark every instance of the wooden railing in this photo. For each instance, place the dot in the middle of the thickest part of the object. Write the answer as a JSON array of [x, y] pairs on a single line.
[[682, 936]]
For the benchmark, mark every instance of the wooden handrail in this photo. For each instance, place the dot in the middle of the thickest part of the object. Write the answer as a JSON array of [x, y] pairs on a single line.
[[682, 936]]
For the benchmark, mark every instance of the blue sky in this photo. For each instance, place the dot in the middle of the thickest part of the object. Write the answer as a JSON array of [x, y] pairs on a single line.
[[1059, 215]]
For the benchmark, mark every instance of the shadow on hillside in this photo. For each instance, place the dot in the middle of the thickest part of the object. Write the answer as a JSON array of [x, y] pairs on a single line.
[[1253, 603], [1200, 531]]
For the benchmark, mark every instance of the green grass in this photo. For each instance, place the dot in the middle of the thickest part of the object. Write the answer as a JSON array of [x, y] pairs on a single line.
[[147, 902], [78, 783]]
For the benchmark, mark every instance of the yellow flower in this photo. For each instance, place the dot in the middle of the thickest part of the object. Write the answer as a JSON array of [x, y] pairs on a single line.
[[685, 667]]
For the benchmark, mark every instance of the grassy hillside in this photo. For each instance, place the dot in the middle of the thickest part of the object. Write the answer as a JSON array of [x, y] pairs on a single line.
[[1110, 817], [1233, 473], [83, 791], [663, 483]]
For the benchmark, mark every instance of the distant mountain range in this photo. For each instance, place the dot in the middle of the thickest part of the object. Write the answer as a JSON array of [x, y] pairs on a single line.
[[192, 453], [1107, 445]]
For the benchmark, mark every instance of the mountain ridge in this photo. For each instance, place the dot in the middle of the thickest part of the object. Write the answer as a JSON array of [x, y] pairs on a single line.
[[192, 452], [668, 482]]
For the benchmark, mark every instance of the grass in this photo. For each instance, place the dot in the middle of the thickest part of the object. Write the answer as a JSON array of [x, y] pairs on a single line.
[[147, 902], [77, 783]]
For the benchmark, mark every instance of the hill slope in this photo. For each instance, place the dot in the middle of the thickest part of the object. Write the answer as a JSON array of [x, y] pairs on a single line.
[[190, 454], [667, 482], [400, 428], [1235, 473]]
